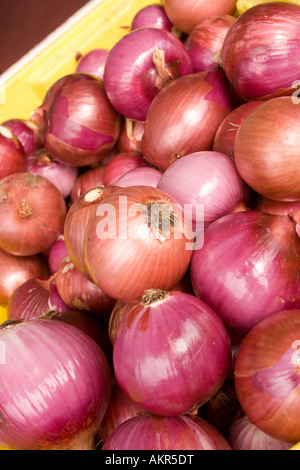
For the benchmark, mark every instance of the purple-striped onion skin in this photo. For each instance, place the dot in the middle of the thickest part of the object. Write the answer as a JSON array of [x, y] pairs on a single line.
[[151, 16], [171, 353], [267, 378], [142, 176], [184, 117], [60, 390], [131, 77], [92, 62], [12, 154], [27, 132], [120, 164], [248, 267], [149, 432], [89, 179], [260, 54], [29, 300], [266, 149]]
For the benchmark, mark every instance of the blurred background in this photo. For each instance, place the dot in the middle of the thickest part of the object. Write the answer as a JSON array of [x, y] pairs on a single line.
[[24, 23]]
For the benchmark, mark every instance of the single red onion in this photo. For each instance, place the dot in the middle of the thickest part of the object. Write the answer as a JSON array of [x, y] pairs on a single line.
[[260, 53], [244, 435], [29, 300], [33, 212], [207, 184], [82, 124], [12, 154], [151, 16], [120, 165], [130, 137], [139, 66], [167, 362], [62, 176], [89, 179], [248, 267], [267, 375], [138, 240], [27, 132], [58, 251], [184, 117], [225, 136], [150, 432], [92, 62], [205, 41], [142, 176], [61, 386]]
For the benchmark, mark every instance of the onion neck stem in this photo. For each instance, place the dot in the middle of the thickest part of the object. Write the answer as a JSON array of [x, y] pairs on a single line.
[[152, 296], [164, 75]]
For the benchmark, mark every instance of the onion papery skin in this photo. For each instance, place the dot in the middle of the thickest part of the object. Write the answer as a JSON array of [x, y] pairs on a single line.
[[151, 16], [263, 41], [167, 362], [225, 136], [116, 317], [62, 383], [15, 270], [186, 15], [199, 103], [92, 62], [244, 435], [130, 137], [142, 176], [120, 408], [76, 220], [205, 41], [138, 240], [267, 165], [57, 253], [27, 133], [29, 300], [131, 78], [267, 375], [12, 154], [90, 179], [61, 175], [82, 124], [148, 432], [251, 272], [120, 165], [33, 211], [270, 206], [205, 179]]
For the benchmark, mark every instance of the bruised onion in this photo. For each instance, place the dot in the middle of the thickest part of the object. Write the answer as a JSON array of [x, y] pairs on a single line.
[[139, 66], [27, 132], [120, 164], [260, 53], [199, 103], [167, 362], [92, 62], [60, 390], [12, 154], [267, 375], [150, 432], [248, 267], [33, 212], [137, 240]]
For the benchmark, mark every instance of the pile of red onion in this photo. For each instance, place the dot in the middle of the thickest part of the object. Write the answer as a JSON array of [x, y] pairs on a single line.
[[150, 240]]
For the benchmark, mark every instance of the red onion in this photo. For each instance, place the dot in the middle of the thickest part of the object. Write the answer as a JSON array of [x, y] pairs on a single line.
[[130, 137], [60, 390], [267, 375], [33, 212], [139, 65], [151, 16], [167, 362], [225, 136], [121, 164], [270, 206], [214, 187], [82, 124], [27, 132], [61, 175], [12, 155], [221, 409], [89, 179], [184, 117], [58, 251], [244, 435], [29, 300], [15, 270], [266, 149], [149, 432], [75, 224], [137, 241], [186, 15], [80, 293], [248, 267], [260, 53], [142, 176], [205, 41], [92, 62]]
